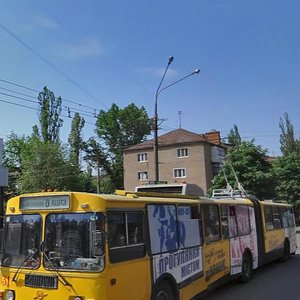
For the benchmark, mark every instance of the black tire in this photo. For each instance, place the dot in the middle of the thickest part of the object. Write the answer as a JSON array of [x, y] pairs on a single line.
[[163, 291], [286, 251], [246, 273]]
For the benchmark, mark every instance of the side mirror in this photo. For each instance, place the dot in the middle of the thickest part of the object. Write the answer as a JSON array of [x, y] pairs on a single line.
[[98, 243]]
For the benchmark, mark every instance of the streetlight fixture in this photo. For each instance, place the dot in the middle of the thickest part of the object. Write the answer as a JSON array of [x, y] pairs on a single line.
[[158, 91]]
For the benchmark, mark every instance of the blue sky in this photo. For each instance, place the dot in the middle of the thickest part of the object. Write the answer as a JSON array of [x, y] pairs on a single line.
[[94, 53]]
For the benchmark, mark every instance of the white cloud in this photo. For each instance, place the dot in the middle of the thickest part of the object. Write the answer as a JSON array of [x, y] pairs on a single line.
[[89, 47], [46, 22]]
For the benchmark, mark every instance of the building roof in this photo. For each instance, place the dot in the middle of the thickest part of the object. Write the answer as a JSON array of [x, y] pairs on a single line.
[[179, 136]]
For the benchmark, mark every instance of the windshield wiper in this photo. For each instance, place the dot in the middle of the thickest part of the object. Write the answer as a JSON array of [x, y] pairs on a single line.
[[31, 253], [54, 268]]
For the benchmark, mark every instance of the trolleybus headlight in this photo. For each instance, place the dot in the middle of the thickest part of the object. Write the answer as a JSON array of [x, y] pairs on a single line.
[[78, 298], [10, 295]]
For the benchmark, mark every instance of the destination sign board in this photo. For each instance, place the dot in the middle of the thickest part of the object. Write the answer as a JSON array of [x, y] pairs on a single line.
[[45, 202]]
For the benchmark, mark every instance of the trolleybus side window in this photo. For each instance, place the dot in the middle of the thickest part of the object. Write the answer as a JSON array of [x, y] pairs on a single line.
[[189, 226], [277, 217], [232, 221], [268, 217], [224, 221], [291, 218], [243, 221], [284, 216], [163, 228], [211, 223], [125, 235]]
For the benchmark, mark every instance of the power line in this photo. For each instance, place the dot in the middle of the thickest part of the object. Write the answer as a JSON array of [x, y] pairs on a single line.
[[12, 91], [48, 62], [66, 108], [17, 104], [33, 90], [29, 107], [73, 109]]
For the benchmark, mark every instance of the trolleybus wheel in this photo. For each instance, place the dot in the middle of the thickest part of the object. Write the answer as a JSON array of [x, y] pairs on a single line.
[[164, 291], [286, 251], [246, 267]]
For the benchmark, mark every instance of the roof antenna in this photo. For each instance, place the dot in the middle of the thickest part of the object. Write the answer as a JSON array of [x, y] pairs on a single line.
[[179, 114]]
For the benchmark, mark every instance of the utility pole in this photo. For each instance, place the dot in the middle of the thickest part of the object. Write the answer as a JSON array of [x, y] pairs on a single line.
[[158, 91]]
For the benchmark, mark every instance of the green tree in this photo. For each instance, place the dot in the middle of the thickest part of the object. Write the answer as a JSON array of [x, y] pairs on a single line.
[[234, 137], [88, 183], [118, 128], [286, 172], [288, 142], [14, 147], [75, 138], [251, 168], [50, 110], [96, 157], [45, 166]]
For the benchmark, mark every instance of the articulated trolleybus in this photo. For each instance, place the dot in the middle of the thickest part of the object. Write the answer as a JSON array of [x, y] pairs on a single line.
[[79, 246]]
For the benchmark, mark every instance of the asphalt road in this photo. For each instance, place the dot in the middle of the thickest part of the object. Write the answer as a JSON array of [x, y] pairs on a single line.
[[275, 281]]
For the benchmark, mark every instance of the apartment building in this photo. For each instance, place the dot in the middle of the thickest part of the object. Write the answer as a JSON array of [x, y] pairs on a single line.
[[184, 157]]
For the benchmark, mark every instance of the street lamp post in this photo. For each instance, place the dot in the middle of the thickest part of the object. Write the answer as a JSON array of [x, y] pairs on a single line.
[[158, 91], [171, 58]]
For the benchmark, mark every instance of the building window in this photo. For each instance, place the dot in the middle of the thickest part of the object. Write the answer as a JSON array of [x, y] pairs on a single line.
[[182, 152], [216, 167], [179, 173], [142, 175], [142, 157]]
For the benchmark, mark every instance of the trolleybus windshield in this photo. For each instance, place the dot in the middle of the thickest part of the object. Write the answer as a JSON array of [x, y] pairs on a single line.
[[70, 241]]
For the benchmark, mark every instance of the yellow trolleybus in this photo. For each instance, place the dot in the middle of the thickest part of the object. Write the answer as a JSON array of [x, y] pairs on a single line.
[[79, 246]]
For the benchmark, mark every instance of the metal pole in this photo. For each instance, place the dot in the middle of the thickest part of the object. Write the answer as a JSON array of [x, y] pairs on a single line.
[[155, 150], [158, 91]]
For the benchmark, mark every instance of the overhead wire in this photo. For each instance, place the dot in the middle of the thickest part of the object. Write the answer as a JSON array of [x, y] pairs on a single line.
[[48, 63], [33, 108], [66, 108], [36, 91]]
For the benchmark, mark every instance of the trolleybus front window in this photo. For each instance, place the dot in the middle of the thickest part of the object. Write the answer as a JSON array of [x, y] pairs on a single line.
[[75, 241], [22, 239]]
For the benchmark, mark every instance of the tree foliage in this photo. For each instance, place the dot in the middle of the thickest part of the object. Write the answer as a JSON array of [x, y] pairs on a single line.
[[14, 147], [50, 120], [252, 169], [75, 138], [234, 137], [288, 142], [45, 166], [35, 165], [123, 127], [12, 152], [118, 128], [287, 175], [96, 157]]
